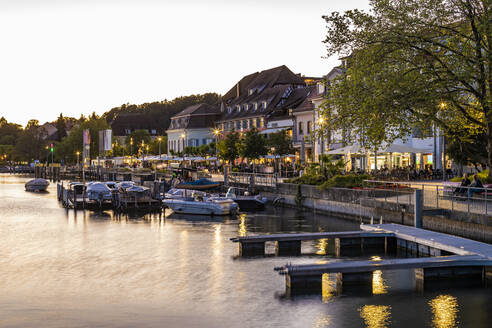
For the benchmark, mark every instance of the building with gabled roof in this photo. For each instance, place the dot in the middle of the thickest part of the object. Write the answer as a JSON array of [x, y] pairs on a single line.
[[192, 127], [258, 97]]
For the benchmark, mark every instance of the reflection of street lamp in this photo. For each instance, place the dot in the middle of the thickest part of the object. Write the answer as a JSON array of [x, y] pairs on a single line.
[[159, 139]]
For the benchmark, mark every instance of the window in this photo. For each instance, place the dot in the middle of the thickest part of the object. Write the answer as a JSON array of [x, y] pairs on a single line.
[[251, 123], [238, 125], [204, 141], [229, 109], [238, 108], [245, 107], [245, 124], [301, 129], [128, 131], [153, 131], [263, 105], [321, 88], [309, 127], [250, 92], [257, 122], [255, 106], [262, 122]]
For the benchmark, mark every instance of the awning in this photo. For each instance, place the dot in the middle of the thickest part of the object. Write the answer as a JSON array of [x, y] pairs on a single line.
[[385, 148]]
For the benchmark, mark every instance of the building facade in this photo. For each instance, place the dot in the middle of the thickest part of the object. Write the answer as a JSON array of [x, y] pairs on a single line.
[[192, 127]]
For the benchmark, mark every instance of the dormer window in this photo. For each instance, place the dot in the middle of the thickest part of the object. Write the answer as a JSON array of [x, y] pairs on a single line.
[[250, 92], [263, 105], [245, 107], [255, 106], [238, 108], [229, 109]]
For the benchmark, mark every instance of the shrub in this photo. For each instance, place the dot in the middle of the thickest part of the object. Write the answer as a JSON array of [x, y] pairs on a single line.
[[345, 181], [309, 179], [483, 176]]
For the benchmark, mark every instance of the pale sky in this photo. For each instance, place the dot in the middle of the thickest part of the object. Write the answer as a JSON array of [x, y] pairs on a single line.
[[80, 56]]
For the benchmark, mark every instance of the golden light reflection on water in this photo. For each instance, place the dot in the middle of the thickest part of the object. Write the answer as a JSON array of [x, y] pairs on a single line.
[[321, 246], [376, 258], [323, 321], [242, 230], [444, 311], [328, 288], [378, 284], [376, 316], [218, 239]]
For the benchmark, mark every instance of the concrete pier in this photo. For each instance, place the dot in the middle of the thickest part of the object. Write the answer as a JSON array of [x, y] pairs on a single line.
[[470, 261], [288, 247], [252, 249]]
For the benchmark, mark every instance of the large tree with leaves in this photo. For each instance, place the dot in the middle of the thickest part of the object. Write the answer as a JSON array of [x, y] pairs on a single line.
[[413, 62], [280, 143], [228, 148], [253, 145]]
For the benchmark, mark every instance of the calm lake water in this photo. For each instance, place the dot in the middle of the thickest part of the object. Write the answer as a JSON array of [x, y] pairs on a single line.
[[62, 268]]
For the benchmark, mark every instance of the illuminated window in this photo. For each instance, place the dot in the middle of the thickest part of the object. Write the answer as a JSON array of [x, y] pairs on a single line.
[[255, 105], [238, 108], [264, 105]]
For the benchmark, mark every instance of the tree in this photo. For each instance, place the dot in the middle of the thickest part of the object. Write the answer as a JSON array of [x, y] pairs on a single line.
[[137, 137], [253, 145], [280, 143], [72, 143], [30, 145], [228, 147], [60, 125], [412, 63]]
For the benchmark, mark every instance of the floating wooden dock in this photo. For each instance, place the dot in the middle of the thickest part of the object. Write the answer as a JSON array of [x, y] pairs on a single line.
[[437, 257], [341, 243]]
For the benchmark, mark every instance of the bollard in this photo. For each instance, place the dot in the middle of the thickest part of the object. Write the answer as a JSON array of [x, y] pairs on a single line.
[[418, 209]]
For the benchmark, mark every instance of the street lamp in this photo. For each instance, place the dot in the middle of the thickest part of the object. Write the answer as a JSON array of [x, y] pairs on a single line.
[[183, 135], [78, 153], [159, 139]]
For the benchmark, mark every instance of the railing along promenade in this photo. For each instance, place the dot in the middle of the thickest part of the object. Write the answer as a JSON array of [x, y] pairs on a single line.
[[445, 196]]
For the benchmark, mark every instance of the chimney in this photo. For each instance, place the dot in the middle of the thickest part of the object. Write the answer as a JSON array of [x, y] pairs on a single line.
[[237, 90]]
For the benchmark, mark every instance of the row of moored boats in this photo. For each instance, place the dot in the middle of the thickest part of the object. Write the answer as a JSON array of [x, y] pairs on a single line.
[[185, 198]]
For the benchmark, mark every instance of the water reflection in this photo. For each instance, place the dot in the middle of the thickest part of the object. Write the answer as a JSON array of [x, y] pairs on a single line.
[[376, 316], [328, 288], [323, 321], [444, 311], [378, 284], [321, 246], [242, 229]]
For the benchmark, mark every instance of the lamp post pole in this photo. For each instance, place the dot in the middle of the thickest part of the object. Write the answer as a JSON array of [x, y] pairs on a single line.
[[160, 139]]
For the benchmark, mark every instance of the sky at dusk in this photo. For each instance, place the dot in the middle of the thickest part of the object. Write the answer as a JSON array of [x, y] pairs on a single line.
[[79, 56]]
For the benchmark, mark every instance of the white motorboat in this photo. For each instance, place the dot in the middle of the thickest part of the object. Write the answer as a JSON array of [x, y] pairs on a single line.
[[37, 185], [202, 205], [246, 201]]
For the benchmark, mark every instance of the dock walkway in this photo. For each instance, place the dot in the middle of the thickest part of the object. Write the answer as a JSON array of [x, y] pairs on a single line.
[[449, 243], [439, 256]]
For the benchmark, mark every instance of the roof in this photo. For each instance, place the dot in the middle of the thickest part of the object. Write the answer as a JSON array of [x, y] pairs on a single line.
[[263, 80], [199, 109]]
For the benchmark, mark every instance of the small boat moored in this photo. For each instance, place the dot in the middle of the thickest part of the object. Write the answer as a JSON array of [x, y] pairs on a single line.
[[199, 205], [37, 185]]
